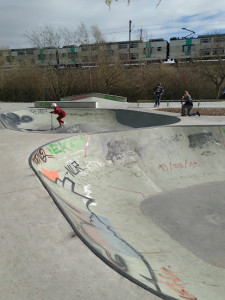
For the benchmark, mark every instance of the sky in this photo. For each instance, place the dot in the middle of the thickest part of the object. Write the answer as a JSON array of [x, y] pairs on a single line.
[[164, 21]]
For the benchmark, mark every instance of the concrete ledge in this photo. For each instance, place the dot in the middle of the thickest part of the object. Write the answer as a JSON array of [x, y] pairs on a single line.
[[66, 104]]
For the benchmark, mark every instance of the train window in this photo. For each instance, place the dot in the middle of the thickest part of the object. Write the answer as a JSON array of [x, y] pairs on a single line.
[[159, 48], [93, 48], [21, 53], [134, 56], [205, 52], [219, 39], [41, 56], [188, 48], [124, 56], [122, 46], [218, 51], [71, 55], [29, 52], [134, 45], [205, 40], [85, 48]]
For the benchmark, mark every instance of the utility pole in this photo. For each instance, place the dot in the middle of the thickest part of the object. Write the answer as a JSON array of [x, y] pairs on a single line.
[[129, 37], [141, 34]]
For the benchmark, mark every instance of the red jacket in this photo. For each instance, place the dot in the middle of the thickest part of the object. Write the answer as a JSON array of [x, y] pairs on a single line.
[[59, 111]]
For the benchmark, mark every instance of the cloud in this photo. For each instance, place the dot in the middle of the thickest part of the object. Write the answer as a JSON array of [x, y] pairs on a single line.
[[165, 21]]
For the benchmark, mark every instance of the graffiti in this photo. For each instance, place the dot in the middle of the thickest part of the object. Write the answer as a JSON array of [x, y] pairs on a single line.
[[222, 133], [176, 138], [87, 144], [45, 104], [117, 152], [173, 282], [112, 187], [208, 153], [118, 261], [171, 166], [52, 175], [40, 156], [67, 145], [13, 119], [39, 111], [73, 168], [200, 140]]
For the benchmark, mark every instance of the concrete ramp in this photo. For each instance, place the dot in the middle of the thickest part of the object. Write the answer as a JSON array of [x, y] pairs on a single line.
[[149, 202], [83, 120]]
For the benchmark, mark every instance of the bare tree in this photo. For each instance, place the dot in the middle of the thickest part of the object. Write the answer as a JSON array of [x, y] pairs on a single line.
[[108, 2], [111, 73], [215, 72], [50, 36], [87, 37]]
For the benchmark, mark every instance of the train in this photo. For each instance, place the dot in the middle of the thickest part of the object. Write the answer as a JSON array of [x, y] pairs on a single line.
[[134, 52]]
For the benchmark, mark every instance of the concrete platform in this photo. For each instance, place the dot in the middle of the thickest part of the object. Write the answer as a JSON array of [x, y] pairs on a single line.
[[114, 188]]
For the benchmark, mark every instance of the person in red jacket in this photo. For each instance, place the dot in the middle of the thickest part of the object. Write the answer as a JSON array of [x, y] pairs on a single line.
[[60, 112]]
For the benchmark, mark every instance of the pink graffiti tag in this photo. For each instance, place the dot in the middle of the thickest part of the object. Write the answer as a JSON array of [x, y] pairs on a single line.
[[171, 166], [173, 282]]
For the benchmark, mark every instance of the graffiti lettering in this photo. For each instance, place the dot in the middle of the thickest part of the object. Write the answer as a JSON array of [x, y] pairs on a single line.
[[171, 166], [39, 111], [67, 145], [40, 156], [173, 282], [73, 168]]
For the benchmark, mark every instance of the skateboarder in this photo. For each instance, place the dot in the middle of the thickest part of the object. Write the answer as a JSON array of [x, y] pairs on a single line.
[[158, 91], [188, 104], [61, 114]]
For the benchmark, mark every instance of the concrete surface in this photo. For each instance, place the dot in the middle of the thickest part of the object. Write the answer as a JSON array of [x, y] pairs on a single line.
[[115, 189], [67, 104]]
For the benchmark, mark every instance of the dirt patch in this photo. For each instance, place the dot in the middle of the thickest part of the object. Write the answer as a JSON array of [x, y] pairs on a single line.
[[202, 110]]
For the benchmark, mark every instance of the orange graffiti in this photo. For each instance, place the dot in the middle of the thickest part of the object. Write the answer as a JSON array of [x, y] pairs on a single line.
[[52, 175], [175, 284]]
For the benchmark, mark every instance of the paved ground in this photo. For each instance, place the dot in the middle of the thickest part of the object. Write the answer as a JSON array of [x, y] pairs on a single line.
[[41, 256]]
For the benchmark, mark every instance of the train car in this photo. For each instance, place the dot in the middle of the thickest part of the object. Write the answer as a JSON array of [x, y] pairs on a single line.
[[204, 47]]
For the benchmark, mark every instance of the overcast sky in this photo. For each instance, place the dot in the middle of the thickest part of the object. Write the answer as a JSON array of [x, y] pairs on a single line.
[[164, 21]]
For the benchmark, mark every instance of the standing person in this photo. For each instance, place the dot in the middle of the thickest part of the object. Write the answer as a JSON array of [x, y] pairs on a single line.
[[188, 104], [61, 114], [158, 91]]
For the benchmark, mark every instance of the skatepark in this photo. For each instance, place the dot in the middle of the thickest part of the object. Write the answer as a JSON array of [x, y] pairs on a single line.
[[125, 202]]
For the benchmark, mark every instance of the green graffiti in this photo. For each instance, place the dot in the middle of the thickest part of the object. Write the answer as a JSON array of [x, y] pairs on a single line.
[[72, 54], [44, 104], [115, 98], [148, 49], [64, 146], [188, 44], [42, 56]]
